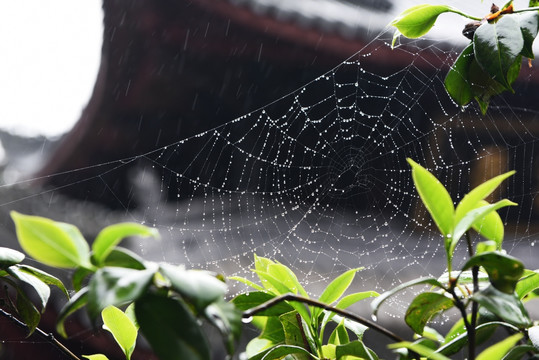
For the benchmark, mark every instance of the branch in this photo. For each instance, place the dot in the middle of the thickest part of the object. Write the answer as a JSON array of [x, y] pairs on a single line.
[[292, 297], [49, 337]]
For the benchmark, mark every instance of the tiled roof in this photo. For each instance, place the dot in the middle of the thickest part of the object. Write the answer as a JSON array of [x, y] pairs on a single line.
[[347, 17]]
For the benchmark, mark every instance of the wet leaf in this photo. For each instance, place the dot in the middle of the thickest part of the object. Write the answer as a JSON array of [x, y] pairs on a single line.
[[417, 20], [375, 305], [280, 351], [419, 349], [472, 217], [95, 357], [120, 257], [296, 331], [40, 288], [498, 350], [357, 349], [200, 287], [250, 300], [529, 22], [504, 271], [456, 81], [9, 257], [44, 276], [434, 196], [111, 236], [171, 329], [497, 46], [121, 327], [29, 314], [517, 352], [287, 277], [507, 307], [527, 284], [336, 289], [52, 243], [76, 302], [424, 307], [116, 286], [227, 318]]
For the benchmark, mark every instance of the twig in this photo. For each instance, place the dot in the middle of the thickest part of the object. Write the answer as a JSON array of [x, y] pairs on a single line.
[[292, 297], [49, 337]]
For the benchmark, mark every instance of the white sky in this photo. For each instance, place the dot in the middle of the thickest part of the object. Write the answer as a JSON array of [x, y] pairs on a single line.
[[49, 57]]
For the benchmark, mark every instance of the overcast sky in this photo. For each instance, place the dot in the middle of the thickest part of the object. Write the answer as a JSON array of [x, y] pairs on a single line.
[[50, 52]]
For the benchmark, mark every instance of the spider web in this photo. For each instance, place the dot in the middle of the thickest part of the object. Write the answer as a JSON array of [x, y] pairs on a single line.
[[318, 179]]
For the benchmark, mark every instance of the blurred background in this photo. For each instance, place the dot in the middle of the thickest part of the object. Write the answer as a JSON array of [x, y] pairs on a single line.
[[105, 105]]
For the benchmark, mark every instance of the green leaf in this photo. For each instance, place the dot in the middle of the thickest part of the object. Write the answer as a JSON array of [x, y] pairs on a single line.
[[507, 307], [335, 289], [419, 349], [497, 46], [339, 335], [287, 277], [281, 351], [111, 236], [95, 357], [486, 246], [434, 196], [9, 257], [273, 331], [517, 352], [247, 282], [483, 332], [490, 226], [375, 305], [472, 217], [533, 3], [498, 350], [262, 263], [469, 201], [527, 284], [29, 314], [120, 257], [116, 286], [227, 318], [356, 328], [528, 22], [40, 288], [170, 328], [200, 287], [345, 302], [424, 307], [456, 81], [355, 348], [296, 331], [504, 271], [252, 299], [533, 334], [52, 243], [76, 302], [121, 327], [275, 286], [44, 276], [79, 276], [417, 20]]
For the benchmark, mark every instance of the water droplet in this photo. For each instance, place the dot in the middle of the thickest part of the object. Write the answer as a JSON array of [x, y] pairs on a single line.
[[374, 317], [247, 320]]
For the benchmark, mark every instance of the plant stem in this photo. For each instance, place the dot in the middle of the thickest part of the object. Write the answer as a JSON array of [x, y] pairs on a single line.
[[475, 305], [292, 297], [464, 14], [536, 8], [49, 337]]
